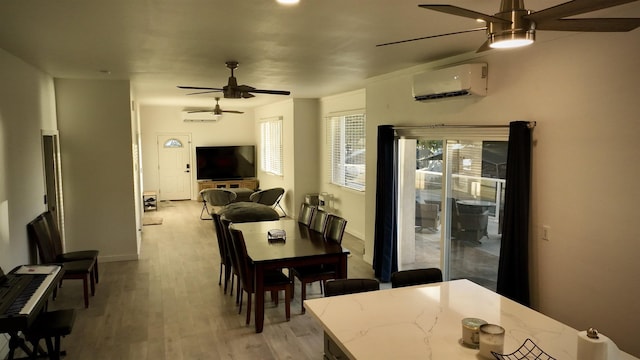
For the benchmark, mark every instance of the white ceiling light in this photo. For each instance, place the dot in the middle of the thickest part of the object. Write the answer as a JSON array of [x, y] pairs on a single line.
[[288, 2]]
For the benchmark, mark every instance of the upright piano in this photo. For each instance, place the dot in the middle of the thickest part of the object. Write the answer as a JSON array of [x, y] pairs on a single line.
[[23, 295]]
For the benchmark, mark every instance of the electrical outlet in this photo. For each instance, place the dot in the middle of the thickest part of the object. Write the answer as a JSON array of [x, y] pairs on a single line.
[[545, 232]]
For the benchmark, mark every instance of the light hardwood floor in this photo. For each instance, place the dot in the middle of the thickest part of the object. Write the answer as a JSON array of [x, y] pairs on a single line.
[[168, 305]]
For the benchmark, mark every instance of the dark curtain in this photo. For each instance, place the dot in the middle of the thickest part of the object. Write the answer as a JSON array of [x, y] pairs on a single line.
[[385, 253], [513, 270]]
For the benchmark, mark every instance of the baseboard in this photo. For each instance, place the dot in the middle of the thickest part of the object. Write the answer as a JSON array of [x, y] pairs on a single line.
[[356, 234], [114, 258]]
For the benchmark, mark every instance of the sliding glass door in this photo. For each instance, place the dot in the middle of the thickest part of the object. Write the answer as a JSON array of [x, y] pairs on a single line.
[[451, 192]]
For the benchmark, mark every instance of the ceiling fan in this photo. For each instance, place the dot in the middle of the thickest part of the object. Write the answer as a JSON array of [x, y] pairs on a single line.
[[515, 26], [216, 111], [232, 90]]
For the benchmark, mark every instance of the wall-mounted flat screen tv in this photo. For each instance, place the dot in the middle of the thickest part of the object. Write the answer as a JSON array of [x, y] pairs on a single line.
[[225, 162]]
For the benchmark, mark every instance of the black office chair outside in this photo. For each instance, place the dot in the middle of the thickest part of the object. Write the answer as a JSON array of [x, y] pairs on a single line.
[[415, 277]]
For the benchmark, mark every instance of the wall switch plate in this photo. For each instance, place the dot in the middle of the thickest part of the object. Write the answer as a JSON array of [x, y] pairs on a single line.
[[545, 232]]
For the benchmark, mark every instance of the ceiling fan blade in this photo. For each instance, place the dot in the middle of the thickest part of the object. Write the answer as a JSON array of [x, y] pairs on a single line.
[[199, 111], [571, 8], [433, 36], [593, 25], [485, 46], [204, 92], [272, 92], [233, 111], [199, 88], [454, 10]]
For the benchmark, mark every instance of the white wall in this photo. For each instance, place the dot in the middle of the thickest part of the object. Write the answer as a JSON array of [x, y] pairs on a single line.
[[582, 92], [348, 203], [26, 108], [232, 129], [94, 120], [300, 150]]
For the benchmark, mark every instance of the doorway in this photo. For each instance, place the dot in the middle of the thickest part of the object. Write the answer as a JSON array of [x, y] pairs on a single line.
[[53, 178], [174, 167], [451, 194]]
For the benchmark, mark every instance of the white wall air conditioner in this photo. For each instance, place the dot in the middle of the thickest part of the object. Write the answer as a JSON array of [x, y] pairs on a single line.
[[199, 117], [455, 81]]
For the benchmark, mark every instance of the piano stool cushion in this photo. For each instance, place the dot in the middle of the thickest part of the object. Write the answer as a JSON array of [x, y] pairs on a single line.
[[78, 255], [51, 324]]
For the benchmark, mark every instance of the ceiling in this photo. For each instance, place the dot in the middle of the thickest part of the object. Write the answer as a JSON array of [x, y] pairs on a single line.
[[313, 49]]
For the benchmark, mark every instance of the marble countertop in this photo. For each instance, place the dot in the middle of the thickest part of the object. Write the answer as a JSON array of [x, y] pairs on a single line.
[[424, 322]]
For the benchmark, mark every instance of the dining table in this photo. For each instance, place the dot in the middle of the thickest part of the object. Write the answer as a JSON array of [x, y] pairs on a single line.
[[425, 322], [300, 246]]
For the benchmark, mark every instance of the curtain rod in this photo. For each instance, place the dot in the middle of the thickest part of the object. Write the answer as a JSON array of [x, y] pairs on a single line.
[[530, 125]]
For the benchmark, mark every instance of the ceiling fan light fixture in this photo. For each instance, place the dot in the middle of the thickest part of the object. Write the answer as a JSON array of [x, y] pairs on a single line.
[[288, 2], [509, 40]]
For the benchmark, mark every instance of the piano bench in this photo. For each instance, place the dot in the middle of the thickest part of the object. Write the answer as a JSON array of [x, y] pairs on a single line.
[[48, 326]]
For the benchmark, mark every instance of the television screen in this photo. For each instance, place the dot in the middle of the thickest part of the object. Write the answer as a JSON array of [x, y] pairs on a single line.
[[225, 162]]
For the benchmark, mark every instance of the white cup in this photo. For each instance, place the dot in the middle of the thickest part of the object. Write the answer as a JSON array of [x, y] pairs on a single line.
[[491, 339]]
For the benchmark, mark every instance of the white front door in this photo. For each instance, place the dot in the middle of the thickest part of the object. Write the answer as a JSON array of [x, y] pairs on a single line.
[[174, 167]]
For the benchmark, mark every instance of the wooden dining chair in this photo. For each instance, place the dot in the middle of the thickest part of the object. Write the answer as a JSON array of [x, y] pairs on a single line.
[[229, 250], [306, 213], [274, 280], [307, 274], [415, 277], [62, 256], [38, 232], [350, 286], [319, 221], [225, 255]]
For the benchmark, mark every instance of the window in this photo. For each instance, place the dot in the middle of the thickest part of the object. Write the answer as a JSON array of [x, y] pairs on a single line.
[[173, 143], [347, 135], [271, 146]]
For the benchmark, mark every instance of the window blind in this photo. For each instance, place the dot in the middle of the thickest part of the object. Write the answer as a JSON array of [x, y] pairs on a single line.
[[347, 134], [271, 157]]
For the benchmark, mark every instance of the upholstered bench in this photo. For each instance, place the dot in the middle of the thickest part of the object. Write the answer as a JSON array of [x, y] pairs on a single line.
[[51, 326]]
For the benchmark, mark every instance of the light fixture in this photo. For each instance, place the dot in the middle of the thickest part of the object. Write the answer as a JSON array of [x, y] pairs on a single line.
[[217, 117], [288, 2], [518, 32], [508, 40]]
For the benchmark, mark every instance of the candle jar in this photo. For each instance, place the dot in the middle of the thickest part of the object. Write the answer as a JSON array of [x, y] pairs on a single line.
[[491, 339], [471, 332]]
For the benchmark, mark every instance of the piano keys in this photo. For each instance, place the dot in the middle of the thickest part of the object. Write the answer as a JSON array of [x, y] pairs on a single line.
[[23, 294]]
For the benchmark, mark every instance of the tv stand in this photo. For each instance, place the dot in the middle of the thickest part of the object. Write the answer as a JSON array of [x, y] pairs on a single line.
[[228, 184]]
